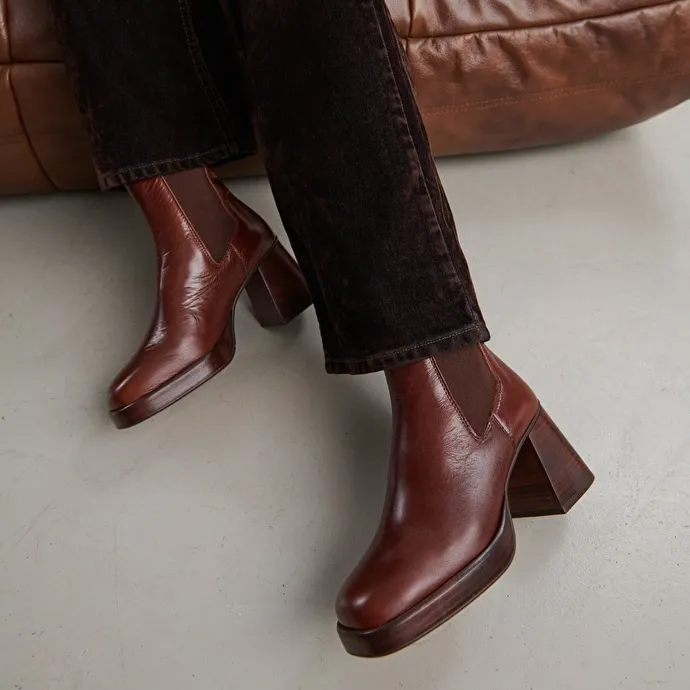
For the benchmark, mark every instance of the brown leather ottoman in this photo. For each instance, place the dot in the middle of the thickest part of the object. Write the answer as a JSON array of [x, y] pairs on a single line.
[[490, 75]]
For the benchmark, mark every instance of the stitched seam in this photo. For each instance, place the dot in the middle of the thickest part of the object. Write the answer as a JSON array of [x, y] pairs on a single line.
[[550, 25], [192, 156], [109, 180], [553, 94], [232, 250], [500, 393], [231, 247], [391, 353], [22, 123], [499, 383], [505, 428], [500, 390]]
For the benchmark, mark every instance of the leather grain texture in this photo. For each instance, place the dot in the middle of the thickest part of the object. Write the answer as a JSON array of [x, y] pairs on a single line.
[[490, 75]]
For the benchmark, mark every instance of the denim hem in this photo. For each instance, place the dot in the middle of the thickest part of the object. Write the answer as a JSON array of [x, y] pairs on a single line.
[[471, 335], [221, 154]]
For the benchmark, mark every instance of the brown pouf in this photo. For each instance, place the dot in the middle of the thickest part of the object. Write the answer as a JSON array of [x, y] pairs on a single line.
[[490, 75]]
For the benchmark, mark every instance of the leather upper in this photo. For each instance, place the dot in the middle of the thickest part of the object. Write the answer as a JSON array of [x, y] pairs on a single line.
[[446, 489], [490, 75], [196, 294]]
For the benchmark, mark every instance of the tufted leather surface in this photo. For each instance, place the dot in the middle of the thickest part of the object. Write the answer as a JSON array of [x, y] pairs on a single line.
[[490, 75]]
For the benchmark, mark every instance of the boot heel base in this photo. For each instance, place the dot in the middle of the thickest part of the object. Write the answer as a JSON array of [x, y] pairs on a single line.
[[549, 477], [277, 291]]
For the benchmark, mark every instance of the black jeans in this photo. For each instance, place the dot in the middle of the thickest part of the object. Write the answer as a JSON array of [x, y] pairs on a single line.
[[161, 84]]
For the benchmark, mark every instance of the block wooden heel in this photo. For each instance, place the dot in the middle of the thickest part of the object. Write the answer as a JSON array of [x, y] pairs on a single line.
[[549, 477], [278, 291]]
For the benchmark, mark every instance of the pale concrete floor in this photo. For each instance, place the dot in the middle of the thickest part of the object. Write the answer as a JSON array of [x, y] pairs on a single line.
[[204, 549]]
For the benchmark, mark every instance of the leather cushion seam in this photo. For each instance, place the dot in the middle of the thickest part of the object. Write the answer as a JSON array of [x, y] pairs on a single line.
[[447, 109], [553, 94], [27, 136]]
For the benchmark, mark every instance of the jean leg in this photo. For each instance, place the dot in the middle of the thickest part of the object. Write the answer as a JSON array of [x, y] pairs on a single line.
[[159, 83], [355, 182]]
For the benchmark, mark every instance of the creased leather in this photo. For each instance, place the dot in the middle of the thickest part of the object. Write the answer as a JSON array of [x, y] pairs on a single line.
[[196, 294], [446, 489]]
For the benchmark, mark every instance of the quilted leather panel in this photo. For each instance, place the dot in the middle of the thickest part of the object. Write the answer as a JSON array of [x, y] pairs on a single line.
[[55, 133], [453, 18], [489, 75], [19, 171], [11, 128], [549, 86], [569, 116], [540, 60], [31, 31]]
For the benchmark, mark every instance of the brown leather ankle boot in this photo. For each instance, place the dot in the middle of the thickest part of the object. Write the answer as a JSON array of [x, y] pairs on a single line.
[[192, 336], [447, 531]]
